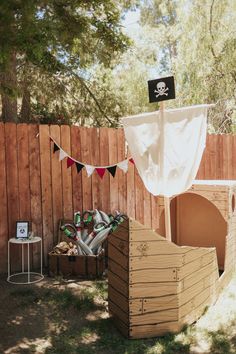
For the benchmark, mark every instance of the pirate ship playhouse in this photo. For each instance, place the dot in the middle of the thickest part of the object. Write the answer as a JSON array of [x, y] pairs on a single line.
[[160, 281], [157, 286]]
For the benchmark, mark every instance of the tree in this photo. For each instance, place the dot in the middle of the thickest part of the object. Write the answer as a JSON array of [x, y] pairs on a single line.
[[55, 37], [198, 46]]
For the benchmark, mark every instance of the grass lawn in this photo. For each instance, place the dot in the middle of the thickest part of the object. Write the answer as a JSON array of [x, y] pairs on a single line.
[[57, 316]]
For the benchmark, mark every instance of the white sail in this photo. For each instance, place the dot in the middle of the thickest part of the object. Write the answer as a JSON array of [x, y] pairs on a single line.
[[167, 152]]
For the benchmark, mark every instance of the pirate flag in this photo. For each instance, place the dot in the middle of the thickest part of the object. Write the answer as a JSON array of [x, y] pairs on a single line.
[[161, 89]]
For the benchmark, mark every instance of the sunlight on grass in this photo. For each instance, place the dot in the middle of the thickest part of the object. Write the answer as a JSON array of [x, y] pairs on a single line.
[[78, 322]]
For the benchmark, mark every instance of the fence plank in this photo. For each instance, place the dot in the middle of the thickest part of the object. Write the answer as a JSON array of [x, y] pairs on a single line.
[[12, 190], [155, 213], [139, 205], [66, 174], [56, 181], [3, 201], [147, 213], [113, 159], [130, 190], [104, 161], [35, 187], [233, 157], [122, 191], [23, 174], [30, 186], [76, 177], [95, 158], [86, 159], [46, 186]]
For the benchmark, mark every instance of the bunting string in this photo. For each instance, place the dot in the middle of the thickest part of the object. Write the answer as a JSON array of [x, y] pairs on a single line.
[[123, 165]]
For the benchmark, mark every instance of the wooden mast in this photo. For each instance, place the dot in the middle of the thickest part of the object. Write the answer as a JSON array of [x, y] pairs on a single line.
[[166, 199]]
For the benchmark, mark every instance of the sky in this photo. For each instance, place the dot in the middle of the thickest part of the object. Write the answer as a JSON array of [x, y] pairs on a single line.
[[131, 22]]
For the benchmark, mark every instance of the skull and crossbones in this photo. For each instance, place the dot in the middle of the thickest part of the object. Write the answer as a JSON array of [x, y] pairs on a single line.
[[161, 89]]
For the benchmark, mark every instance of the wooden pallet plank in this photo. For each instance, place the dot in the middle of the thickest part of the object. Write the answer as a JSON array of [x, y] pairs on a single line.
[[122, 246], [198, 275], [115, 268], [117, 311], [152, 275], [120, 258], [118, 298], [155, 317], [120, 234], [144, 290], [118, 284], [145, 235], [196, 264], [150, 248], [160, 303], [157, 261], [153, 330]]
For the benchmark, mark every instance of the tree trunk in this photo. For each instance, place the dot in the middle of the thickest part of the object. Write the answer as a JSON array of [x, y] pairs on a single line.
[[25, 113], [9, 89]]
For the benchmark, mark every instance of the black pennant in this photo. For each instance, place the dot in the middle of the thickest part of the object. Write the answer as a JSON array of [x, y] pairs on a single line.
[[79, 167], [112, 170], [55, 147]]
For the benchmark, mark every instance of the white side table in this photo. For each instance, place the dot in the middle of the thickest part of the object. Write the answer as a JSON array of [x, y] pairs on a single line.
[[23, 242]]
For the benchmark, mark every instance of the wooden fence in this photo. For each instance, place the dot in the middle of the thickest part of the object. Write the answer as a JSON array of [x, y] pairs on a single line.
[[35, 186]]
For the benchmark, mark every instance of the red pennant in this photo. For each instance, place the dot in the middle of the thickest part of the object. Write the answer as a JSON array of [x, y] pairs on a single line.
[[132, 161], [101, 171], [70, 162]]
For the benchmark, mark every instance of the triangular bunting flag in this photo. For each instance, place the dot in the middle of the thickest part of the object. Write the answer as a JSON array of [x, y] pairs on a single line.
[[132, 161], [62, 155], [55, 147], [79, 167], [69, 162], [101, 171], [112, 170], [123, 165], [89, 169]]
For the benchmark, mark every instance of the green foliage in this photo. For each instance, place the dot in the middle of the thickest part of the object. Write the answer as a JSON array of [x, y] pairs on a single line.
[[56, 37], [73, 32]]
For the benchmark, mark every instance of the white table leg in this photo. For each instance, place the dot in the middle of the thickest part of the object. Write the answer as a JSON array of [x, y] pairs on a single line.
[[28, 265], [41, 257], [8, 257], [22, 258]]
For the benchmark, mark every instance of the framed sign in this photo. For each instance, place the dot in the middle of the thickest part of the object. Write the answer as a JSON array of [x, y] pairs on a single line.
[[22, 229], [161, 89]]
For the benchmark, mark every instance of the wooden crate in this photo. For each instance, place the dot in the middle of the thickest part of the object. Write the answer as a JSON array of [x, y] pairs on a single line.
[[156, 286], [87, 267]]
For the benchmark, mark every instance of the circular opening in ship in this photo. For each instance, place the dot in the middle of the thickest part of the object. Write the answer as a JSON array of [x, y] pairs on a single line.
[[197, 222]]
